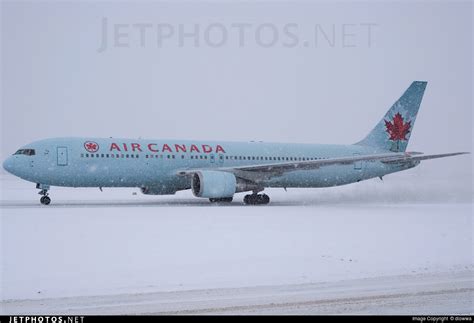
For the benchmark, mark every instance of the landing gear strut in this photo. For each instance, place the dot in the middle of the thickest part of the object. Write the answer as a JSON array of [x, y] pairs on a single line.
[[45, 199], [256, 199]]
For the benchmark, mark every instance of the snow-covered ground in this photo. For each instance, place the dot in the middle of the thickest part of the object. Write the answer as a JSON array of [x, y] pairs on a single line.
[[440, 293], [371, 247]]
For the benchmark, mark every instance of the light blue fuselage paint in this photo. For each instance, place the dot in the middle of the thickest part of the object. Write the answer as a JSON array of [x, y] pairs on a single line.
[[66, 162], [164, 166]]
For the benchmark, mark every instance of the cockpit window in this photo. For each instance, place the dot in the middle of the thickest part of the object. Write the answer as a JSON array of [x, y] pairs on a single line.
[[28, 152]]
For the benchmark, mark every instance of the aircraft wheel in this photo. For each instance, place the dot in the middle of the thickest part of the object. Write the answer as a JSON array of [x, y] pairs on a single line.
[[250, 199], [45, 200], [221, 200], [256, 199], [265, 199]]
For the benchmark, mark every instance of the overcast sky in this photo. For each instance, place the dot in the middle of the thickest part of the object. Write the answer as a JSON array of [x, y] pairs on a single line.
[[280, 72]]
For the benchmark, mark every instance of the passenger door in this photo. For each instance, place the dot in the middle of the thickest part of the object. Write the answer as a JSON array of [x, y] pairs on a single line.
[[62, 156]]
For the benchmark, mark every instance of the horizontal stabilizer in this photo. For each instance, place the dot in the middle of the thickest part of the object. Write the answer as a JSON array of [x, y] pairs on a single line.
[[418, 157]]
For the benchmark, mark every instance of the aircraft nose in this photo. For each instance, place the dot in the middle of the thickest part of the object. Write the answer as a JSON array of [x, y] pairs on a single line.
[[8, 165]]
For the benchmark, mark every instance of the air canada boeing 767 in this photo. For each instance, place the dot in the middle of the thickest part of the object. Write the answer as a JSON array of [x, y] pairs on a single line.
[[218, 170]]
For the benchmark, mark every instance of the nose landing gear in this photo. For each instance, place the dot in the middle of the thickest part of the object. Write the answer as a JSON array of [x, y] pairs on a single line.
[[45, 199]]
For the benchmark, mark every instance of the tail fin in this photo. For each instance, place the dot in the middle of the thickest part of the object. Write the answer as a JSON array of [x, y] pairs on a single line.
[[394, 130]]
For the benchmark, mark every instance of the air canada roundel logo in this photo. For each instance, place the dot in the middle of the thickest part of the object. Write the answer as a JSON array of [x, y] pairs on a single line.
[[91, 146]]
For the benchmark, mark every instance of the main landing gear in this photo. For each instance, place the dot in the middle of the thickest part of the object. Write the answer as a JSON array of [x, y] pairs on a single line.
[[221, 200], [45, 199], [256, 199]]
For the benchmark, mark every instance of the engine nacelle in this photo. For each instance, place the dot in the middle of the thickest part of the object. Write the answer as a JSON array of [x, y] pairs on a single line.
[[213, 184]]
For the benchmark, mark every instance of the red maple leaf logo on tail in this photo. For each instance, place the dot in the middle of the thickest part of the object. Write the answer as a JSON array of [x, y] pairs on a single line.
[[398, 129]]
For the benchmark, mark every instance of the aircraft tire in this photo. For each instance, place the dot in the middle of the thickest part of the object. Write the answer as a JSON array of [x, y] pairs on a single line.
[[221, 200], [45, 200], [256, 199]]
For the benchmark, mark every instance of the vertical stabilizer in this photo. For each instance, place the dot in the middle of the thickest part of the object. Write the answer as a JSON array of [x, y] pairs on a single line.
[[394, 130]]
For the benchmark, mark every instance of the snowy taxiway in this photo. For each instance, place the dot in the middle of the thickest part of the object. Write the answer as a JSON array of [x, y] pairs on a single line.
[[371, 247]]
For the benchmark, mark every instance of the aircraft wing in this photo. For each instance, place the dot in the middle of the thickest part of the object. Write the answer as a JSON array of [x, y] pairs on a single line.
[[256, 173]]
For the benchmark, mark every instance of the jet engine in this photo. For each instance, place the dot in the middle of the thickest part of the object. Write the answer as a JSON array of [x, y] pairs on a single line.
[[213, 184], [218, 184]]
